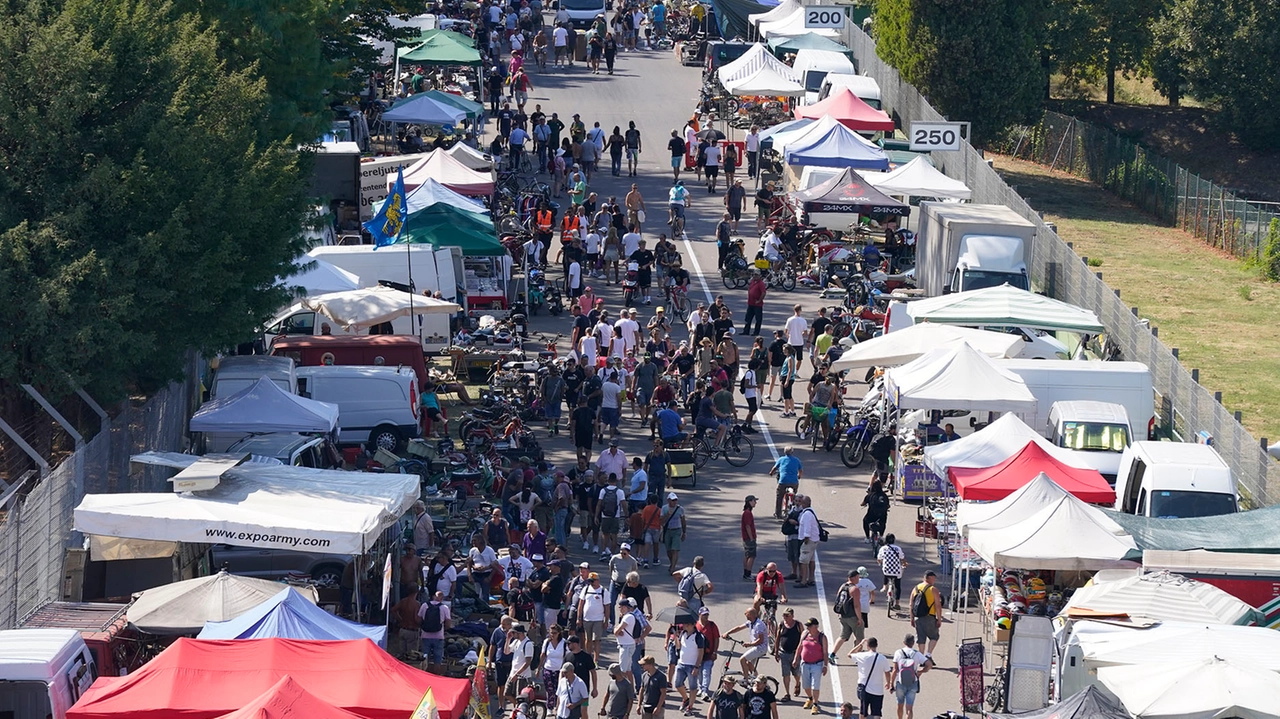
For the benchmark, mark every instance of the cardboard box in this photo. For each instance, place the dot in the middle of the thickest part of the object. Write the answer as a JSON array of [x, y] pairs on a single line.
[[1002, 635]]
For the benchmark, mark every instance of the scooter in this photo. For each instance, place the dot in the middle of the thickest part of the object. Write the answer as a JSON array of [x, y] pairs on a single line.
[[630, 284], [857, 439], [553, 300]]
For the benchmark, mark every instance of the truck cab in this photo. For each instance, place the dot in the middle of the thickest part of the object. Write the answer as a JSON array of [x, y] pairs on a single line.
[[43, 672], [814, 66], [1099, 431], [1174, 480], [990, 261]]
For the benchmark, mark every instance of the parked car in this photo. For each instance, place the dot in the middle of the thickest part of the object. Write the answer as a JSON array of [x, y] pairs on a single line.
[[324, 569], [295, 450]]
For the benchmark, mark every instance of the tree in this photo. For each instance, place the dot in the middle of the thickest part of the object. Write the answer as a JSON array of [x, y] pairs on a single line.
[[1167, 56], [978, 61], [1103, 37], [141, 215]]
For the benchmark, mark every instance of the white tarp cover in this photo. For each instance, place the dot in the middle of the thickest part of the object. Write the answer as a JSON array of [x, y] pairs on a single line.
[[184, 607], [781, 10], [470, 156], [765, 81], [911, 342], [1002, 306], [1104, 644], [992, 445], [366, 307], [1028, 499], [792, 25], [919, 178], [958, 377], [1164, 595], [295, 508], [1067, 535], [756, 57], [318, 277], [782, 128], [1207, 688], [263, 407]]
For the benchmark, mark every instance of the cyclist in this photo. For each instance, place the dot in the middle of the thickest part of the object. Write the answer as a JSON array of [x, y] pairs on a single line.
[[892, 563], [712, 417], [771, 586], [757, 646], [678, 199], [825, 395]]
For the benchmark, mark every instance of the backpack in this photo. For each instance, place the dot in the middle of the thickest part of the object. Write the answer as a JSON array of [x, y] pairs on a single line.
[[844, 604], [688, 587], [791, 525], [641, 624], [879, 504], [609, 503], [431, 621], [920, 601], [907, 675]]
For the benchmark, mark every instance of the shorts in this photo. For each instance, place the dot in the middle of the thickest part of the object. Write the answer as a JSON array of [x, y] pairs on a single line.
[[799, 350], [851, 627], [749, 548], [560, 51], [633, 153], [762, 211], [677, 209], [553, 411], [609, 525], [633, 217], [735, 213], [521, 97], [651, 536], [409, 637], [610, 416], [786, 664], [872, 704], [687, 674], [904, 695], [752, 404], [517, 683], [671, 538], [675, 439], [775, 371], [626, 654], [583, 440], [643, 395], [927, 628], [676, 160], [786, 389], [433, 413], [793, 550], [712, 171], [592, 629], [433, 650], [754, 653], [811, 675], [807, 548]]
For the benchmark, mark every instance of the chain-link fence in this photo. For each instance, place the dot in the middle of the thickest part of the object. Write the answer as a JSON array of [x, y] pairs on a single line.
[[1157, 184], [35, 528], [1184, 408]]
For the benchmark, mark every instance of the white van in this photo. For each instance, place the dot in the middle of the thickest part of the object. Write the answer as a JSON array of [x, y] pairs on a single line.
[[864, 88], [240, 372], [378, 405], [814, 66], [1174, 480], [1127, 384], [583, 12], [1098, 431], [43, 672]]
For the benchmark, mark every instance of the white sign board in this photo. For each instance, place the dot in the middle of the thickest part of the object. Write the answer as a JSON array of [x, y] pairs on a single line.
[[818, 16], [373, 180], [935, 136]]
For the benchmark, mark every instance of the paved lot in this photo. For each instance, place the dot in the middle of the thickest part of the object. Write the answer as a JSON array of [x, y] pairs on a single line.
[[655, 91]]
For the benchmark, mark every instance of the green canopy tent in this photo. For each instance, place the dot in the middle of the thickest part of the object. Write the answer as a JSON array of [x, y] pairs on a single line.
[[444, 217], [808, 41], [1251, 531], [447, 34], [471, 242], [440, 49]]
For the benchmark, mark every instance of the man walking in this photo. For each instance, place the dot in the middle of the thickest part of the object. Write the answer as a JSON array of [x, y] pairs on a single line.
[[619, 696], [632, 137], [848, 607], [926, 612], [756, 292], [711, 633], [797, 329], [753, 151], [677, 148], [652, 690], [723, 239], [808, 536]]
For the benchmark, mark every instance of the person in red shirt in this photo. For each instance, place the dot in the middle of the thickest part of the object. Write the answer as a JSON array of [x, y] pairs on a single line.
[[748, 536], [711, 633], [771, 585], [755, 303]]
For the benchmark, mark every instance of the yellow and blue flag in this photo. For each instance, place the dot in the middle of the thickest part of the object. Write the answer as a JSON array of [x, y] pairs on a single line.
[[385, 226]]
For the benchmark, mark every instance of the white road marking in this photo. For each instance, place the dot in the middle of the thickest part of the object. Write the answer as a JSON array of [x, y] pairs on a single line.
[[837, 693], [697, 269]]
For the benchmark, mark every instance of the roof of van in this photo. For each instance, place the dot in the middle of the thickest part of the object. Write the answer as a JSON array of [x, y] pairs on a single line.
[[1089, 411], [299, 341], [832, 62], [36, 654], [356, 370], [857, 83], [1182, 453], [254, 363]]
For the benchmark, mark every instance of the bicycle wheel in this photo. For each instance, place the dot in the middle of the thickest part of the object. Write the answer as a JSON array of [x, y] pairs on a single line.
[[701, 454], [788, 279], [739, 451], [680, 306], [729, 280], [741, 280], [803, 427], [537, 710]]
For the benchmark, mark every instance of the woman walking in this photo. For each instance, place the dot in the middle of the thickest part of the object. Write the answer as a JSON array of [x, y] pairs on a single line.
[[612, 253], [788, 378], [616, 146], [730, 165], [610, 51]]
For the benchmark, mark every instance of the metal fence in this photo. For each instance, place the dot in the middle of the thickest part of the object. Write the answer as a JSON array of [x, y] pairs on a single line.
[[35, 528], [1184, 408], [1155, 183]]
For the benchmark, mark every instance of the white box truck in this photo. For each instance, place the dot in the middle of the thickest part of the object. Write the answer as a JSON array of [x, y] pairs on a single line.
[[43, 672], [967, 247], [1127, 384]]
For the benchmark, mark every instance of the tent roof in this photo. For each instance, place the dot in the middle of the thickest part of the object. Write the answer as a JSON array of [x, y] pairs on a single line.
[[830, 144], [369, 306], [1005, 305], [783, 9], [448, 171], [792, 25], [286, 699], [848, 192], [470, 156], [1165, 596], [850, 110], [919, 178], [959, 377], [425, 110], [264, 407], [473, 109], [439, 49], [1251, 531], [184, 607], [1066, 535], [1105, 643], [993, 444], [202, 679], [756, 57], [1001, 480], [317, 277], [807, 41], [288, 615], [431, 193], [1032, 497], [908, 343], [765, 80], [260, 506], [1088, 703], [1205, 688], [441, 215], [779, 134]]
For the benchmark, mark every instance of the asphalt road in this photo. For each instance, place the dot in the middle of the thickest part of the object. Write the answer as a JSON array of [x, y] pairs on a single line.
[[654, 90]]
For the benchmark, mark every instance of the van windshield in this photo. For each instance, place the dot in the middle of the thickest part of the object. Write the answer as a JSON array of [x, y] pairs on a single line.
[[1094, 436], [813, 80], [583, 5], [1169, 504], [979, 280]]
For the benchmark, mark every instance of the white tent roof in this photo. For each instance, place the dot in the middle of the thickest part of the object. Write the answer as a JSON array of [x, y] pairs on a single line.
[[792, 25], [1066, 535], [909, 343], [431, 193], [259, 506], [783, 9], [919, 178], [368, 306], [1162, 595], [766, 80], [807, 134], [470, 156], [958, 377], [992, 445], [318, 277], [1105, 644], [1207, 688], [264, 407], [447, 170], [1028, 499], [1005, 305], [184, 607], [756, 57]]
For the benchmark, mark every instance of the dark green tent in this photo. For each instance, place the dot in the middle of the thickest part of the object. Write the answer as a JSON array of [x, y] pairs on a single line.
[[731, 16], [807, 41], [440, 49]]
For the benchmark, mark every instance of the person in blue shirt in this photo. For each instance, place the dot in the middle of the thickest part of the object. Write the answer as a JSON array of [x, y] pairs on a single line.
[[788, 470], [949, 433], [670, 425], [659, 19]]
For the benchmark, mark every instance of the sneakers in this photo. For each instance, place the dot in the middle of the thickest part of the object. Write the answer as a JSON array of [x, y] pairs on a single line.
[[815, 710], [596, 549], [586, 545], [832, 658], [746, 575], [808, 703]]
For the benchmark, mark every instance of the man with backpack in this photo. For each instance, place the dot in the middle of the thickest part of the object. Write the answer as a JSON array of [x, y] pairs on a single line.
[[848, 606], [692, 584], [791, 530], [433, 620], [904, 676], [610, 507], [521, 651], [926, 612], [810, 533]]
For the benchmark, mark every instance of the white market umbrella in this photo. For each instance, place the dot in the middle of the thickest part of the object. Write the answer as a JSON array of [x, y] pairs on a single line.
[[907, 344], [1165, 596], [184, 607], [1210, 688], [317, 277], [1002, 306], [358, 309]]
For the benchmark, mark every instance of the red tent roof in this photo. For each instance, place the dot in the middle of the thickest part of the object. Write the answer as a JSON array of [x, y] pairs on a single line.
[[287, 700], [204, 679], [851, 111], [988, 484]]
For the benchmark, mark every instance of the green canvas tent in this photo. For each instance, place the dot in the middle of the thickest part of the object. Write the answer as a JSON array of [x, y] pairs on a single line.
[[471, 242], [442, 216], [439, 49], [807, 41], [1251, 531]]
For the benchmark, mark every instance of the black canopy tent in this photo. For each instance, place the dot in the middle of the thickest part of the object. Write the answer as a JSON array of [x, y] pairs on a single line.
[[1088, 703], [849, 193]]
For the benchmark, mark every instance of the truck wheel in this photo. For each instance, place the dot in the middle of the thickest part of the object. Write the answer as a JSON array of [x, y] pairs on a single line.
[[387, 437], [327, 575]]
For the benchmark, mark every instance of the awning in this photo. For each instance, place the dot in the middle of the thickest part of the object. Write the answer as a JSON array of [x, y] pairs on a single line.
[[792, 25], [316, 277], [431, 193], [473, 109], [849, 110], [287, 700], [439, 49], [263, 407], [994, 444], [957, 378], [1251, 531], [289, 615], [756, 57], [1000, 480], [848, 193], [1003, 306], [1088, 703], [446, 170], [470, 157], [1206, 688], [765, 81], [918, 178], [369, 306], [783, 9], [908, 343], [424, 110], [184, 607], [769, 134], [1032, 497], [279, 507]]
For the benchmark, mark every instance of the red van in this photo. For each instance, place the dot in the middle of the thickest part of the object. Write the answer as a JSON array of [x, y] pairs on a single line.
[[388, 350]]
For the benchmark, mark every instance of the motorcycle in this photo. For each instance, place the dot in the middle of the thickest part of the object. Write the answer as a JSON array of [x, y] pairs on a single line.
[[857, 439], [630, 284], [537, 290], [551, 297]]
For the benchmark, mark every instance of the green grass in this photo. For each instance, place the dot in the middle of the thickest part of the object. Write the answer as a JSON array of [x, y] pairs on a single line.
[[1220, 313]]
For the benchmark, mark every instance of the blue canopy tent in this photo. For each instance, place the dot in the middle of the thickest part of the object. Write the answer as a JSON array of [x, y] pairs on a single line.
[[422, 109], [837, 147], [288, 615]]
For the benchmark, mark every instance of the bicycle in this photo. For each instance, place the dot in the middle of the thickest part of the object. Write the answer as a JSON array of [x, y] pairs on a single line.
[[737, 450], [678, 301], [769, 613], [995, 694], [748, 680]]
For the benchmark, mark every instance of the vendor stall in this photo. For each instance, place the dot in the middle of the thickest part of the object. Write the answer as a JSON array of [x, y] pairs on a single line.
[[286, 699], [443, 168], [849, 111], [908, 344], [316, 277], [751, 61], [288, 615], [1163, 596], [848, 195], [1001, 480], [992, 445], [423, 109], [792, 25], [264, 407], [828, 143], [765, 80], [919, 178], [185, 607]]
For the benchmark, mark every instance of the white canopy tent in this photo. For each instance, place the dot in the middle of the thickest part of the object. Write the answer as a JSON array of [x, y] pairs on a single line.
[[1028, 499], [317, 277], [1003, 306], [766, 80], [253, 505], [1207, 688], [369, 306], [792, 25], [959, 377], [1104, 644], [919, 178], [781, 10], [470, 156], [909, 343], [756, 57], [992, 445], [263, 407], [184, 607], [1067, 535], [1165, 596]]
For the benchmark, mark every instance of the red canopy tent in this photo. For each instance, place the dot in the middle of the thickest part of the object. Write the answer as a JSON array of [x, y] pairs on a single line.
[[204, 679], [987, 484], [851, 111], [287, 700]]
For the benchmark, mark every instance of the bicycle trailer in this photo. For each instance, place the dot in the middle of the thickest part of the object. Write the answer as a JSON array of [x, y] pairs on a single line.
[[680, 466]]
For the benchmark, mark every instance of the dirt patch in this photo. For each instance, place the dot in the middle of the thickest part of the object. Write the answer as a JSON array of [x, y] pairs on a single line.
[[1188, 136]]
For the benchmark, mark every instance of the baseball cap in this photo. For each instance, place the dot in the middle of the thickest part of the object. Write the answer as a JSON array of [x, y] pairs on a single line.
[[584, 565], [626, 546], [628, 602], [673, 495], [593, 575], [751, 497], [703, 612], [613, 442], [518, 628]]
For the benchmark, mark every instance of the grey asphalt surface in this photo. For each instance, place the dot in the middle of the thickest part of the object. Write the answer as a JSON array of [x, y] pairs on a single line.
[[654, 90]]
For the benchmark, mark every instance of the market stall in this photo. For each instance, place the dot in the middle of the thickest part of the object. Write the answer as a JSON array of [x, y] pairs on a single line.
[[443, 168], [765, 80], [998, 481], [422, 109], [1201, 689], [1004, 306], [831, 144], [992, 445], [849, 111], [1163, 596], [185, 607], [919, 178], [263, 407], [845, 196], [431, 193], [1088, 703], [289, 615], [791, 25], [907, 344], [751, 61], [809, 41]]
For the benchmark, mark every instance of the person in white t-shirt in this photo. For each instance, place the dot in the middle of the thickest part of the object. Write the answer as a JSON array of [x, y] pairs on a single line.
[[611, 404], [753, 150], [575, 280], [591, 600], [873, 677], [797, 329], [713, 153], [630, 332], [908, 665], [751, 393], [624, 633], [630, 243], [591, 246], [560, 37]]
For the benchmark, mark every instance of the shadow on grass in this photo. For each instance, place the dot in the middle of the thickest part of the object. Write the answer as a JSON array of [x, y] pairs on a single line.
[[1070, 197]]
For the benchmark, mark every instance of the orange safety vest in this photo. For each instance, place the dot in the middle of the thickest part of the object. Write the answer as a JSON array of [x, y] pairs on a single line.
[[543, 220], [570, 224]]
